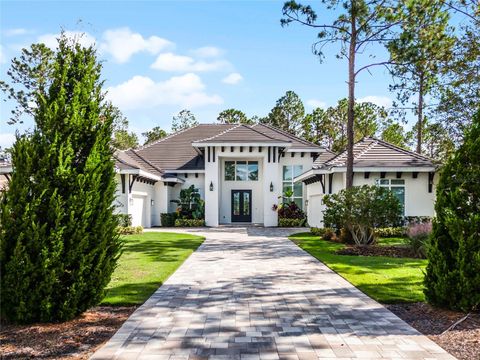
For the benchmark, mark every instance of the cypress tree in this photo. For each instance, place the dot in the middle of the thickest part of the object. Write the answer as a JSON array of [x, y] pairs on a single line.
[[453, 273], [59, 244]]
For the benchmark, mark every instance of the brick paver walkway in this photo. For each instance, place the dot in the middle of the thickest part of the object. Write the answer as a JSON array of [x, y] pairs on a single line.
[[252, 294]]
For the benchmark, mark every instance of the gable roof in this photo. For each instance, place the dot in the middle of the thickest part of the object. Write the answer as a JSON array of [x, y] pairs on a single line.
[[175, 152], [372, 152]]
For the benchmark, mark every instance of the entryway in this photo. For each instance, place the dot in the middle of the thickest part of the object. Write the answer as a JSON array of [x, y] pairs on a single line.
[[242, 206]]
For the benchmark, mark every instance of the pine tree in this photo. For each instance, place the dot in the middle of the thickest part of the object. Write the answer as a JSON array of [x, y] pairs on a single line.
[[453, 273], [59, 244]]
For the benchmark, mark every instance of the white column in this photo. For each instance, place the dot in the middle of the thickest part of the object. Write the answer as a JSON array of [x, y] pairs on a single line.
[[271, 171], [211, 196]]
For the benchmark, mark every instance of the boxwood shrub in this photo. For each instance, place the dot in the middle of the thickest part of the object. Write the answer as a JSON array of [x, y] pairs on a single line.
[[283, 222], [168, 219], [130, 230], [390, 232], [189, 222]]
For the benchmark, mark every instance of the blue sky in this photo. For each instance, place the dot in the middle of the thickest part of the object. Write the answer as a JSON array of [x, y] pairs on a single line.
[[161, 57]]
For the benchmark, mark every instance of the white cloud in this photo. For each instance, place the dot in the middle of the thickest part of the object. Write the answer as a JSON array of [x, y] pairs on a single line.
[[314, 103], [384, 101], [232, 79], [142, 92], [122, 43], [16, 32], [181, 63], [207, 52], [6, 140], [83, 38]]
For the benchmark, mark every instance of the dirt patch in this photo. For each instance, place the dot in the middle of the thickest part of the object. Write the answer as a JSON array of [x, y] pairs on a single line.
[[75, 339], [463, 341], [374, 250]]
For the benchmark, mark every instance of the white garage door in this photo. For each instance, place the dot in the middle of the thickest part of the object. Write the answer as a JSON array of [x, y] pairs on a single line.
[[138, 210]]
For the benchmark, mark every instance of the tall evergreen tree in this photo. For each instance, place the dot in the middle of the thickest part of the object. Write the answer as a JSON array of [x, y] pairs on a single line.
[[453, 272], [287, 114], [183, 120], [58, 240]]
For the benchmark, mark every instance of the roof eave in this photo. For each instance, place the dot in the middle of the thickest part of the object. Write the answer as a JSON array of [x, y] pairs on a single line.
[[240, 143]]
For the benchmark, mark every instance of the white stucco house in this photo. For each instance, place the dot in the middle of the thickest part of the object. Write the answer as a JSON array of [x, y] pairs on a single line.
[[243, 170]]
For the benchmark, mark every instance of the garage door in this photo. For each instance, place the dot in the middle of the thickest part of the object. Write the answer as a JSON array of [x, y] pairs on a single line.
[[138, 210]]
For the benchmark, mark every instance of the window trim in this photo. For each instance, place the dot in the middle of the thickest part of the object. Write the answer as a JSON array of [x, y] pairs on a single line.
[[390, 185]]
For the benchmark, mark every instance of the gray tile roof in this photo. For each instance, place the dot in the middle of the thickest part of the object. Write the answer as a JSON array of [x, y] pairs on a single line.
[[241, 133], [175, 152], [371, 152]]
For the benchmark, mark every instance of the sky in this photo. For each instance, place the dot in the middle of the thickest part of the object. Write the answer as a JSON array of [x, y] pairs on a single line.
[[160, 57]]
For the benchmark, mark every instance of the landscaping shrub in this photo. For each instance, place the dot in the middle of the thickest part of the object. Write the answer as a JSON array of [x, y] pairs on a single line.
[[189, 222], [124, 220], [418, 238], [325, 233], [59, 243], [190, 204], [168, 219], [130, 230], [411, 220], [390, 232], [282, 222], [361, 209], [453, 272]]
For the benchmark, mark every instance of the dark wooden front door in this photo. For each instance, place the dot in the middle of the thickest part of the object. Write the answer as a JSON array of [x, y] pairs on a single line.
[[241, 205]]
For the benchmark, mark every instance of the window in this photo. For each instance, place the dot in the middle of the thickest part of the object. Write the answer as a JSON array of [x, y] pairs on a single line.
[[290, 172], [241, 170], [396, 186]]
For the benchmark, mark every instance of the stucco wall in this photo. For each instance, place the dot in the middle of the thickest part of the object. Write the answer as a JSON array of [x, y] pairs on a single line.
[[228, 185], [418, 201]]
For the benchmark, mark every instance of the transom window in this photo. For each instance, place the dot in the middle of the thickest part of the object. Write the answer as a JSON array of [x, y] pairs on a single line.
[[290, 172], [396, 186], [241, 170]]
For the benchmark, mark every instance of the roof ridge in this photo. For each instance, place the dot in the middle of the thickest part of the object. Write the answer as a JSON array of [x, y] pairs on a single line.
[[221, 133], [251, 128], [367, 148], [287, 134], [166, 137]]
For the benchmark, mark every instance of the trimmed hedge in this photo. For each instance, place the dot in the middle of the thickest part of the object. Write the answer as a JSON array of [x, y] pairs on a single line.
[[391, 232], [168, 219], [130, 230], [282, 222], [189, 223]]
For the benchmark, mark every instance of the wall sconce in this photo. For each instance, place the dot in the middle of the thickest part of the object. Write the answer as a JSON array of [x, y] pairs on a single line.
[[152, 202], [130, 201], [271, 186], [211, 185]]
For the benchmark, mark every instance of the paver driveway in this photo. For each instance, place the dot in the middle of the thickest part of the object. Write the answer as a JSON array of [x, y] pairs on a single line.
[[252, 294]]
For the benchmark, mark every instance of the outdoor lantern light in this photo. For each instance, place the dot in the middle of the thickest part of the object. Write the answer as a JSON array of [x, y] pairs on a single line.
[[211, 186], [271, 186], [151, 202]]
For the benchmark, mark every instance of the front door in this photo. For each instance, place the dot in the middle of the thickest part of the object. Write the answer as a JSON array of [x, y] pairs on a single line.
[[241, 205]]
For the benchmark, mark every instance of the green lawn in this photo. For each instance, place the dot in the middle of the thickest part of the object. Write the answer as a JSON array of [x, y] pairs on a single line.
[[385, 279], [147, 261], [392, 241]]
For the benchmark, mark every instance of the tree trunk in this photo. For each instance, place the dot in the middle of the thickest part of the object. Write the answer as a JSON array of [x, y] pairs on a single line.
[[351, 104], [420, 114]]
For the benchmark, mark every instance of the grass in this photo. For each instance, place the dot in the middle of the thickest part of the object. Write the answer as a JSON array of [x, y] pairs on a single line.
[[385, 279], [147, 260], [393, 241]]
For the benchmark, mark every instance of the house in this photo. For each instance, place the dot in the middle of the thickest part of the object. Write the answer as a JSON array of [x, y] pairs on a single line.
[[243, 170], [410, 176]]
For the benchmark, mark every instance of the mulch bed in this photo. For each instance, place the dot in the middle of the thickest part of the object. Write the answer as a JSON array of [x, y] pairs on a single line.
[[75, 339], [374, 250], [463, 341]]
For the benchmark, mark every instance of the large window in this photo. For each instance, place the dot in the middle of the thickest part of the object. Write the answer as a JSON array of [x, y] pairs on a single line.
[[290, 172], [396, 186], [241, 170]]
